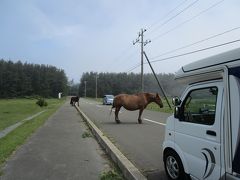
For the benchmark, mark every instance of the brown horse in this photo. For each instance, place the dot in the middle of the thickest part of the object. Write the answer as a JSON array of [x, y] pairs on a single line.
[[134, 102]]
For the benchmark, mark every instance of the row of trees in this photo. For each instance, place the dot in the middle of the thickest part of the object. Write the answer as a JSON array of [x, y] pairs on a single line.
[[23, 79], [116, 83]]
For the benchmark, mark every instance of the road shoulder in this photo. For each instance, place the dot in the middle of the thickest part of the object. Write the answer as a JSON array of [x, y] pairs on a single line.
[[58, 151], [128, 169]]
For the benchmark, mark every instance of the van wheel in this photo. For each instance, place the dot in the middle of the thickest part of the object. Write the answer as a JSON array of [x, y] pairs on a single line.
[[173, 166]]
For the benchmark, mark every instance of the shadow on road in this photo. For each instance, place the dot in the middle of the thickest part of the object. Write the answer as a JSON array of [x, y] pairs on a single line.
[[124, 123], [156, 175]]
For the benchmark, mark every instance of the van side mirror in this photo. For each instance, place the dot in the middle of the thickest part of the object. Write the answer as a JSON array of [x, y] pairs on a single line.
[[176, 101], [177, 112]]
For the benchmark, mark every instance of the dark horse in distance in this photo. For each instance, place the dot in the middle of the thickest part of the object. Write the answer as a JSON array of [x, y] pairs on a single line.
[[74, 100], [135, 102]]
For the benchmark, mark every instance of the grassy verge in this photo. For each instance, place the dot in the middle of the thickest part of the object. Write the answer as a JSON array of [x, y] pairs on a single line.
[[11, 141], [86, 134], [111, 175], [166, 109], [15, 110]]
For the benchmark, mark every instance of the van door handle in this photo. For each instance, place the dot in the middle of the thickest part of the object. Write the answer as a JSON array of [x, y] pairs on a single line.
[[211, 133]]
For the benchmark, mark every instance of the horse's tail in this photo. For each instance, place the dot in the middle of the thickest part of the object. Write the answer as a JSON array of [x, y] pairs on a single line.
[[113, 106]]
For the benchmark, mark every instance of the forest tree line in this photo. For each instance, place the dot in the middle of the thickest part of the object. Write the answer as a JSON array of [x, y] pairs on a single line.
[[116, 83], [22, 79]]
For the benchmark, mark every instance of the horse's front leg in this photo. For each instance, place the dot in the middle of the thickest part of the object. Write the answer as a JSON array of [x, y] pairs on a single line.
[[139, 117], [117, 109]]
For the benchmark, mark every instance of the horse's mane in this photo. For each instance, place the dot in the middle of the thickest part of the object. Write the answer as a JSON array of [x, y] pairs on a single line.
[[145, 93], [140, 93]]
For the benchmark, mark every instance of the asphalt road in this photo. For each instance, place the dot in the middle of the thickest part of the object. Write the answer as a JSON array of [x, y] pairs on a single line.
[[57, 151], [140, 143]]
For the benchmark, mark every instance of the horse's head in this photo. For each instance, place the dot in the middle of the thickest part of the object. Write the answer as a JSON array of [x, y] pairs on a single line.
[[158, 100]]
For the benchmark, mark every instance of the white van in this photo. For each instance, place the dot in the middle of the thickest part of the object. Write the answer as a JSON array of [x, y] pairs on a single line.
[[202, 138]]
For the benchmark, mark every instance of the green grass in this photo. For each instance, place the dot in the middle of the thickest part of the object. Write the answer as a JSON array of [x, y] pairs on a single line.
[[15, 110], [166, 109], [11, 141], [86, 134], [111, 175]]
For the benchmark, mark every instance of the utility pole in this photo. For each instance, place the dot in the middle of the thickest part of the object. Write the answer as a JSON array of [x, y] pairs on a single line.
[[96, 84], [143, 43], [85, 82], [157, 80]]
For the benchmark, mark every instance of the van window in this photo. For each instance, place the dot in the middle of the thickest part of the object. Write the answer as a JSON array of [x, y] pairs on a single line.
[[199, 106], [234, 80]]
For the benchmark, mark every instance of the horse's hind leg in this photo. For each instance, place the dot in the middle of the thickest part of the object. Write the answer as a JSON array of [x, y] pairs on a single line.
[[139, 117], [116, 114]]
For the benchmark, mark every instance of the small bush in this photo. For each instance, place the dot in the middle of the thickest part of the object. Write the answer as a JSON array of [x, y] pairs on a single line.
[[86, 134], [41, 102], [110, 175]]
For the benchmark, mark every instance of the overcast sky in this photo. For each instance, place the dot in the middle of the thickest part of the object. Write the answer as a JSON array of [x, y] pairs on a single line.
[[96, 35]]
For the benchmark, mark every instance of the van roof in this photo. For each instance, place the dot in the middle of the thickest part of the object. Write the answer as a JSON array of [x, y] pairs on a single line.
[[208, 65]]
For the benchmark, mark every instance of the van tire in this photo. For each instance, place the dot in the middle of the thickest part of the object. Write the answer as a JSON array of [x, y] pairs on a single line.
[[173, 166]]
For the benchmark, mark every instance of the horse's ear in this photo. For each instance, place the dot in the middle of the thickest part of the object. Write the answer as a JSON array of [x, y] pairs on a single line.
[[157, 95]]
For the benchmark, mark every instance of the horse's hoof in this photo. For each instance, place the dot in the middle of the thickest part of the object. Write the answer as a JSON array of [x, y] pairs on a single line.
[[139, 121], [118, 121]]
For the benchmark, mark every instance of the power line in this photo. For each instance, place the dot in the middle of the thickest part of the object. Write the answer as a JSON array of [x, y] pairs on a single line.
[[137, 65], [171, 11], [199, 50], [203, 40], [192, 52], [128, 57], [124, 65], [123, 53], [126, 54], [134, 67], [184, 22], [167, 14], [171, 18]]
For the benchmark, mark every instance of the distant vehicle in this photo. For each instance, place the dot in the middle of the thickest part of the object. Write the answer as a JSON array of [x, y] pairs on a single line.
[[108, 99], [202, 137]]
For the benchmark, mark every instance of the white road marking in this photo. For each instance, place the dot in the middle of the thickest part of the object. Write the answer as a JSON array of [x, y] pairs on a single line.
[[145, 119]]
